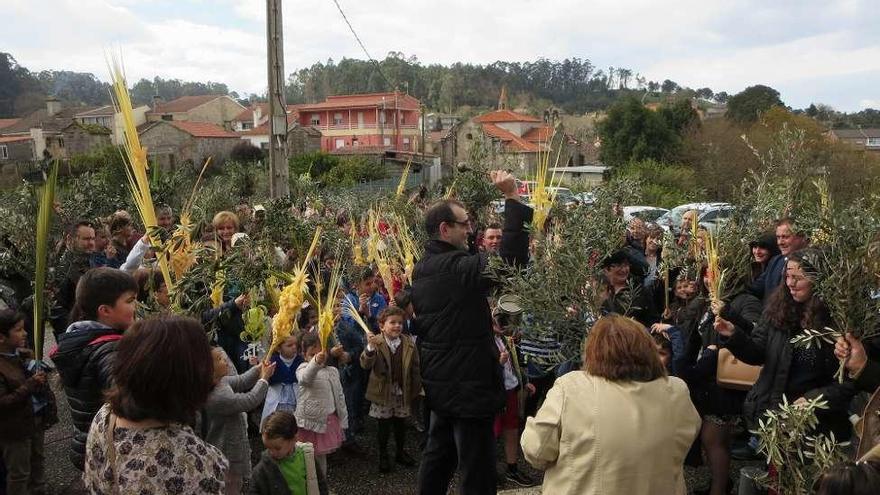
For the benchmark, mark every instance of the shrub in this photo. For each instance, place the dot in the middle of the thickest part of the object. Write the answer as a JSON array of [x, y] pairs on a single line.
[[245, 152]]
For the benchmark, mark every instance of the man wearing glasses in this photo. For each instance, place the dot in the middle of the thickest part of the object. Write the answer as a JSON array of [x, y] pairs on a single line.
[[463, 381]]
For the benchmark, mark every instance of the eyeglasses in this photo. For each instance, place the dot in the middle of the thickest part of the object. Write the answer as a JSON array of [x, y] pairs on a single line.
[[466, 223]]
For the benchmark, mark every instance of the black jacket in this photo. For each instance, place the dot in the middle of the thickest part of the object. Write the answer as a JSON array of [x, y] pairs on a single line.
[[770, 278], [772, 348], [461, 374], [84, 358], [699, 365]]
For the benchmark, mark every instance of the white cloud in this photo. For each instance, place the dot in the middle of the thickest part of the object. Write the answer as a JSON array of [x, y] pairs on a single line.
[[867, 103], [785, 63], [716, 43]]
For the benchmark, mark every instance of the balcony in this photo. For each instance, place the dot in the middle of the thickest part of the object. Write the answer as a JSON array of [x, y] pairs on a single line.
[[344, 127]]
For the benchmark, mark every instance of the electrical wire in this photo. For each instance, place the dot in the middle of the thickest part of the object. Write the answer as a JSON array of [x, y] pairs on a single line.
[[361, 43]]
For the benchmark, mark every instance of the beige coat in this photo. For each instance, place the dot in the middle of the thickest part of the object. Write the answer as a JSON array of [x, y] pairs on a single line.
[[379, 364], [597, 437]]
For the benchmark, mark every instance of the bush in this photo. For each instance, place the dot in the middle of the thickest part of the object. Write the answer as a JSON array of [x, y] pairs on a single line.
[[352, 170], [107, 156], [315, 164], [245, 152], [663, 184]]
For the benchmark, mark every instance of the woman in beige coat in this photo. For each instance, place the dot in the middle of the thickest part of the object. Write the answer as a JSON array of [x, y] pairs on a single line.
[[619, 427]]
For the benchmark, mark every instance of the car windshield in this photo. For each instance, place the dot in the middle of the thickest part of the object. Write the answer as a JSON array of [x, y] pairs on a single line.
[[649, 215], [563, 194], [673, 216]]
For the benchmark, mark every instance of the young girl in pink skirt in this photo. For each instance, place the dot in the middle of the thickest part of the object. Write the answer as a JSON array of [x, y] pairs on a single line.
[[320, 409]]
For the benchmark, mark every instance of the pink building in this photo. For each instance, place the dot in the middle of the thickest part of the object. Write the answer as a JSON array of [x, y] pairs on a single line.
[[378, 120]]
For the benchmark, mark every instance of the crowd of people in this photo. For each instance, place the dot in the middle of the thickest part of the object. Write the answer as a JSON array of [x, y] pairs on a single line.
[[164, 403]]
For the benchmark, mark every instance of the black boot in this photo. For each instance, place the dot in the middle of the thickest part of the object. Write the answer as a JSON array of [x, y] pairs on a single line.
[[402, 457], [384, 431]]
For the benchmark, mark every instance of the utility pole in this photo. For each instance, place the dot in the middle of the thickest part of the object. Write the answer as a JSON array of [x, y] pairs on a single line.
[[279, 185]]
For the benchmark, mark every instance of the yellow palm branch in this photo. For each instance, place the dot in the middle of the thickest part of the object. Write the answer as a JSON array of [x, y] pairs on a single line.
[[136, 161], [291, 299]]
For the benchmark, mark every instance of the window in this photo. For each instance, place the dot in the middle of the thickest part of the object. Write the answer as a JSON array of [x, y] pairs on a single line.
[[4, 152], [403, 118], [167, 117], [406, 143], [360, 119], [340, 143], [337, 119], [354, 142], [386, 141], [316, 119], [382, 117], [247, 125], [873, 142]]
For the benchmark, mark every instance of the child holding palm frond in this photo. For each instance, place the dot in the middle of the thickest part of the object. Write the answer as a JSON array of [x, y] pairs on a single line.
[[321, 413]]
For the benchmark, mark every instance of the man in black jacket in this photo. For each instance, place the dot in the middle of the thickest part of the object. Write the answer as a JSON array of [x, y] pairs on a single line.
[[461, 373]]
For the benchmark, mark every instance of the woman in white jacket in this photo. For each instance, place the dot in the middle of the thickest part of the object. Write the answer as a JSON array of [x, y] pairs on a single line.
[[618, 427]]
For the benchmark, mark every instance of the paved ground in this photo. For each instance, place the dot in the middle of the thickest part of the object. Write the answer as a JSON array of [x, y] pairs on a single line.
[[348, 475]]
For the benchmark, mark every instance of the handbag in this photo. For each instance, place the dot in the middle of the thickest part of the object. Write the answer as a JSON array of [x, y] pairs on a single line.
[[733, 373]]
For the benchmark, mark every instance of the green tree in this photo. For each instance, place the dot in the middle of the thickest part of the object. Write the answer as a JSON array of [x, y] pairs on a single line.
[[680, 115], [664, 185], [746, 107], [315, 164], [632, 132]]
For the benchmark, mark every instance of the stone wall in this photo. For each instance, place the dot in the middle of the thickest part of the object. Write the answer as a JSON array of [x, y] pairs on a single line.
[[217, 148], [300, 141], [167, 145], [220, 111], [78, 141]]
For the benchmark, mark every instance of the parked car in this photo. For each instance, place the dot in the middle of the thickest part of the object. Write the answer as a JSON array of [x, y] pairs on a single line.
[[671, 220], [646, 213], [585, 198], [715, 217], [563, 196]]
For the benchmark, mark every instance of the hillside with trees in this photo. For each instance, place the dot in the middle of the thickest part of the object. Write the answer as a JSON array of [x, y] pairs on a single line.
[[575, 85]]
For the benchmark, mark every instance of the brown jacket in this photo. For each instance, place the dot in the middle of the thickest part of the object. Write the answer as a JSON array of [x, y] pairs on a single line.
[[16, 407], [379, 361]]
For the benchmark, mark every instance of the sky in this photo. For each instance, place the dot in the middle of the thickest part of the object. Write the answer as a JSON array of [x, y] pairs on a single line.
[[811, 51]]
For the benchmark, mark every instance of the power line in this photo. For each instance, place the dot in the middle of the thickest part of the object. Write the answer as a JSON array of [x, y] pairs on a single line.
[[361, 43]]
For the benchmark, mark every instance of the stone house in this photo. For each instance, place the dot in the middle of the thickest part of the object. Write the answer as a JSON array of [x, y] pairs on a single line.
[[300, 139], [16, 148], [107, 117], [860, 139], [507, 139], [81, 138], [172, 143], [220, 110], [43, 128]]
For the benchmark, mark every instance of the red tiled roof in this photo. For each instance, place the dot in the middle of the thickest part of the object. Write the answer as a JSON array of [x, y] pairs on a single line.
[[184, 103], [203, 129], [540, 134], [504, 116], [41, 119], [511, 140], [14, 139], [403, 101], [247, 115], [7, 122]]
